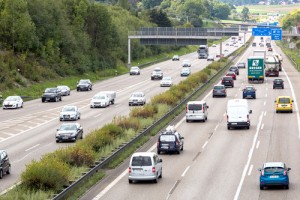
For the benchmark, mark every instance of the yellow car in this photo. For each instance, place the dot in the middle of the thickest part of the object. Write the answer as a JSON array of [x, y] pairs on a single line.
[[284, 104]]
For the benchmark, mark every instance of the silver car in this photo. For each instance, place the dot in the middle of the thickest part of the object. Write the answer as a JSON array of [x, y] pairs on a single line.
[[99, 100], [137, 98], [144, 166], [13, 102], [166, 82], [65, 90], [186, 63], [134, 71], [69, 113]]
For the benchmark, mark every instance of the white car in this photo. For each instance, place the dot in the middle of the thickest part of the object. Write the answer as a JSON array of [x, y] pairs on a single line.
[[185, 71], [166, 82], [69, 113], [186, 63], [13, 102], [135, 71], [100, 100], [65, 90], [137, 98], [175, 57], [210, 58], [214, 45]]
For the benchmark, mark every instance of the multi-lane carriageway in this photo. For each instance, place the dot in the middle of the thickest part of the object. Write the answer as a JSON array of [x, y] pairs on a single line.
[[215, 164]]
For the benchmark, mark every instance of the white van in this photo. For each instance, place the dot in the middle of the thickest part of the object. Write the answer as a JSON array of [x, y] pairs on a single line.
[[196, 110], [238, 113], [144, 166]]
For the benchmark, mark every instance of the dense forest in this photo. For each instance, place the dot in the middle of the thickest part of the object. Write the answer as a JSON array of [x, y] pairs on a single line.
[[46, 39]]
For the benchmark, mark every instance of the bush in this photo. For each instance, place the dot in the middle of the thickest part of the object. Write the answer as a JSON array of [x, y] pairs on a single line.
[[113, 130], [149, 110], [127, 122], [81, 155], [165, 98], [97, 140], [48, 174], [203, 77]]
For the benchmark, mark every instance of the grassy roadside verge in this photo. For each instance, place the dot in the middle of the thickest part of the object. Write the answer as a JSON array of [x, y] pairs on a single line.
[[292, 54]]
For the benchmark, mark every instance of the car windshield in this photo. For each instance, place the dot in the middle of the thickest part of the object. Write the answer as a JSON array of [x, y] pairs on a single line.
[[11, 99], [195, 106], [50, 90], [167, 78], [62, 87], [134, 68], [284, 100], [227, 78], [68, 109], [218, 87], [141, 161], [167, 138], [99, 97], [249, 88], [277, 80], [273, 169], [137, 95], [83, 82], [68, 127], [236, 110]]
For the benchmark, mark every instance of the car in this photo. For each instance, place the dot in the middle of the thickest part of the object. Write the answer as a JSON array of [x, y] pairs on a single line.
[[236, 45], [241, 65], [249, 92], [166, 82], [12, 102], [225, 50], [210, 58], [175, 57], [70, 131], [157, 74], [227, 81], [170, 141], [219, 90], [65, 90], [186, 63], [100, 100], [144, 166], [51, 94], [274, 174], [254, 44], [137, 98], [84, 84], [5, 166], [185, 71], [237, 114], [214, 45], [196, 111], [69, 113], [134, 70], [234, 69], [284, 104], [231, 44], [232, 74], [227, 44], [278, 83], [261, 44], [270, 49]]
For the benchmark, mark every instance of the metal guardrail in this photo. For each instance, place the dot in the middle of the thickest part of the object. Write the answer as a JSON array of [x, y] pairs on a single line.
[[103, 163]]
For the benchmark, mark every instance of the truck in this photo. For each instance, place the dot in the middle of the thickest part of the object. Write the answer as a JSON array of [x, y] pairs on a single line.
[[279, 57], [256, 71], [271, 66], [202, 52]]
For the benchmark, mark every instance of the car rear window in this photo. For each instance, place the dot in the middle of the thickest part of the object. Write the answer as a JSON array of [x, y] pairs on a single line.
[[227, 78], [195, 106], [284, 100], [218, 87], [167, 138], [273, 169], [141, 161]]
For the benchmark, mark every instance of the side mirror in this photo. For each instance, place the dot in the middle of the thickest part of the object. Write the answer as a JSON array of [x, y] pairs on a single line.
[[160, 160], [57, 129], [292, 100], [259, 169], [289, 169], [207, 106], [250, 111], [275, 101], [181, 137]]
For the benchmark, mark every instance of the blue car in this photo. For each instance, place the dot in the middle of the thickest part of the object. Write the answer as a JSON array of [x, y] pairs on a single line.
[[249, 92], [274, 174]]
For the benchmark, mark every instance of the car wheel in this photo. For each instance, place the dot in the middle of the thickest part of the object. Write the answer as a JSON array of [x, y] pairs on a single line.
[[77, 89], [276, 111], [22, 105], [158, 152], [42, 101], [213, 96], [178, 152], [1, 174], [81, 137], [287, 187], [160, 176], [187, 121], [291, 111], [273, 87], [228, 127], [155, 180], [9, 170], [57, 141], [282, 87], [181, 148], [262, 187], [56, 99], [129, 181], [254, 97]]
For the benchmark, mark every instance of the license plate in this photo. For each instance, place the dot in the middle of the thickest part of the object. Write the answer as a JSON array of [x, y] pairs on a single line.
[[234, 123], [274, 176], [248, 95], [65, 137], [47, 99]]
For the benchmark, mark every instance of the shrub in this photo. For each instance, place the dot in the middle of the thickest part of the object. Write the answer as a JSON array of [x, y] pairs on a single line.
[[177, 92], [203, 77], [164, 98], [127, 122], [149, 110], [113, 130], [97, 140], [48, 174], [81, 155], [215, 65]]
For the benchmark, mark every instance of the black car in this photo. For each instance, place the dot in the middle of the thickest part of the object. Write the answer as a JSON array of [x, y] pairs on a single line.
[[278, 83], [227, 81], [170, 141], [234, 69], [69, 132], [84, 84], [52, 94], [4, 164]]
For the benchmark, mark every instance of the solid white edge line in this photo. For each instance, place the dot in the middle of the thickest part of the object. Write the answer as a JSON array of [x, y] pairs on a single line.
[[265, 113], [185, 171], [236, 196], [204, 144], [264, 103], [98, 115], [250, 170], [262, 126], [295, 101], [257, 145]]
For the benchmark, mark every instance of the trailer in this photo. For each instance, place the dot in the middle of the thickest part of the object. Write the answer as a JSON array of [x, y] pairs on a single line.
[[256, 71]]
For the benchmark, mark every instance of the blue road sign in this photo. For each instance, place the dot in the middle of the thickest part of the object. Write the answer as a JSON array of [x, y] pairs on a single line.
[[261, 31], [276, 34]]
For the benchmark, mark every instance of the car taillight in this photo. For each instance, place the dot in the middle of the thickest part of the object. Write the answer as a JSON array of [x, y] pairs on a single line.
[[291, 105], [129, 169], [153, 169], [285, 173]]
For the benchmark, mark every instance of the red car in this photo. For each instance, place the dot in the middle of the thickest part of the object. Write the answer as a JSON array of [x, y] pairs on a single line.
[[232, 74], [270, 49]]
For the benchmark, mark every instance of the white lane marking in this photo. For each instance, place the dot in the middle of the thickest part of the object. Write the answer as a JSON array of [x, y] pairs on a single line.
[[204, 144], [118, 105], [10, 134], [97, 115], [1, 138], [236, 196], [295, 101], [185, 171], [217, 127], [8, 189], [257, 145], [262, 126], [265, 113], [266, 95], [169, 193], [264, 103], [32, 147], [250, 170]]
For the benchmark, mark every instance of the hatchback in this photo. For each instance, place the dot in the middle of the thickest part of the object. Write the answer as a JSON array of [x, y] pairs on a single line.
[[234, 69], [219, 90], [274, 174], [170, 141], [231, 74], [185, 71], [134, 71], [12, 102], [210, 58], [278, 83], [4, 163], [227, 81], [186, 63], [65, 90], [249, 92], [166, 82], [284, 104]]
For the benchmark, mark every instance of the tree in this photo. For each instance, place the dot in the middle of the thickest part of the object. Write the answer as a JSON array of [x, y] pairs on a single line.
[[160, 18], [245, 13], [221, 10], [148, 4]]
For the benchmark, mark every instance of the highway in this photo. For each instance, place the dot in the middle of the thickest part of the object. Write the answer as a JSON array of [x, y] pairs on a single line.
[[221, 164], [29, 133]]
